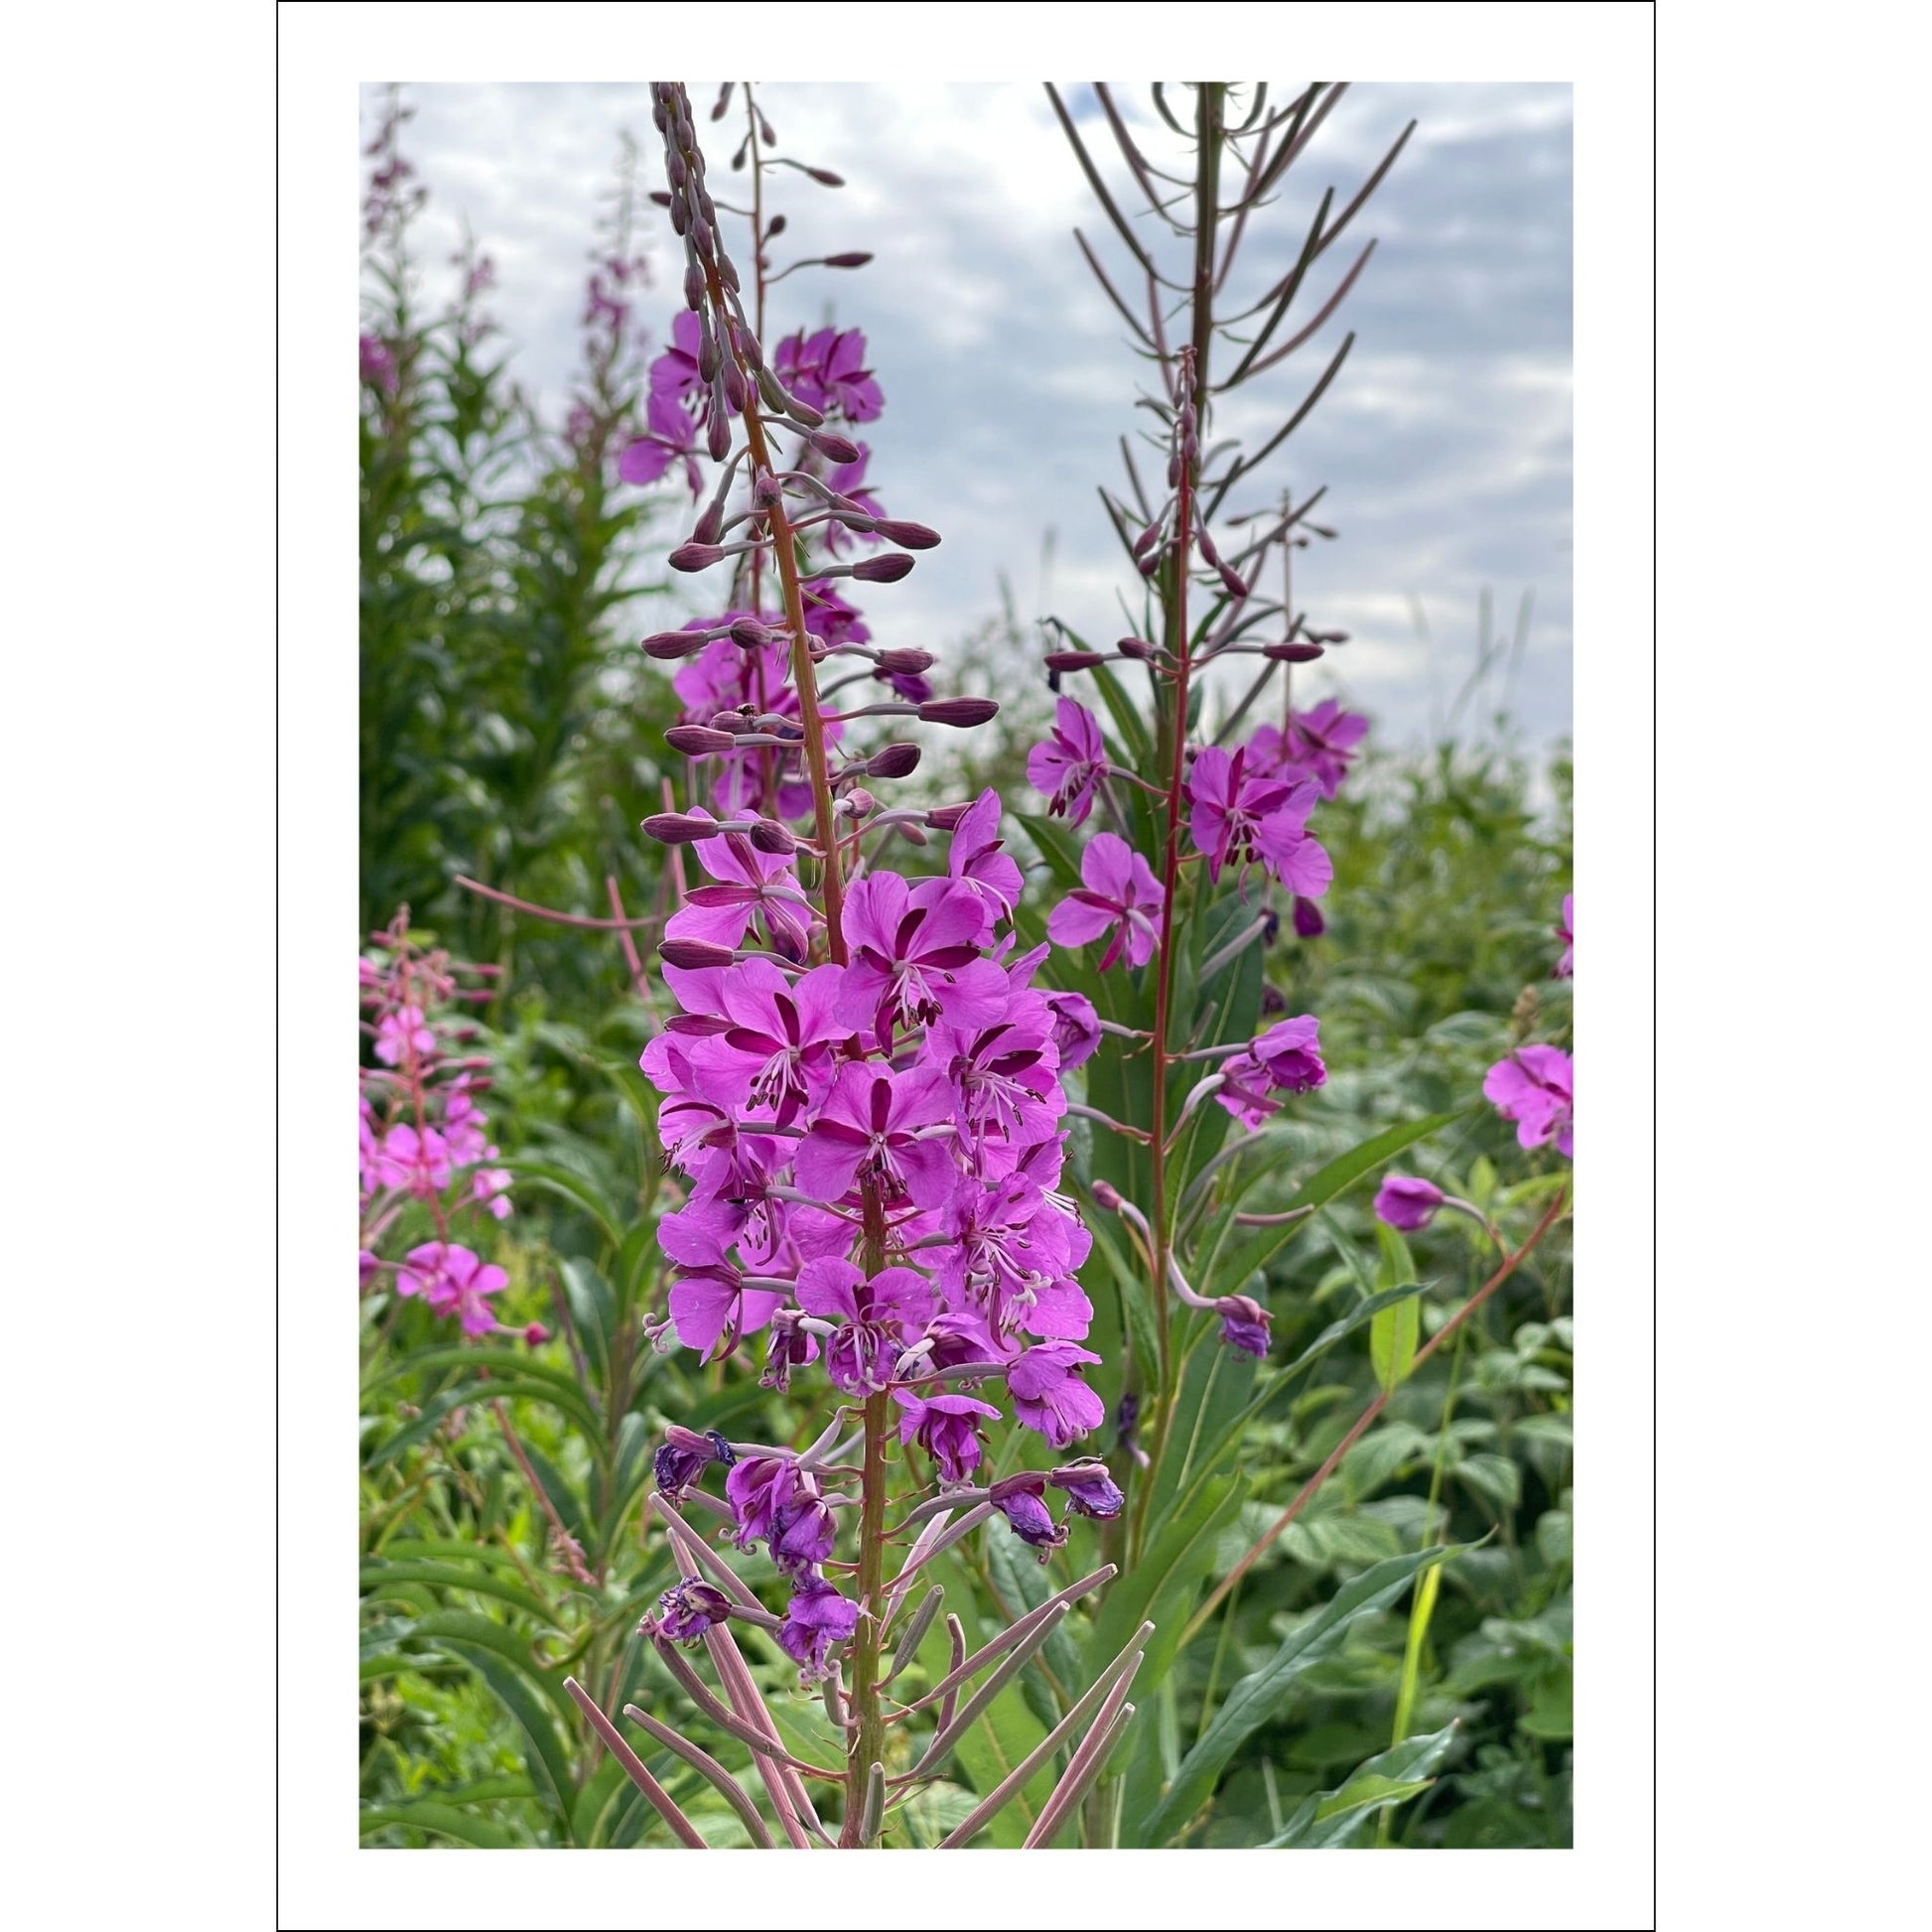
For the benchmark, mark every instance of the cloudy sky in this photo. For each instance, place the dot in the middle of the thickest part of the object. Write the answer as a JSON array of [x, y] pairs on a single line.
[[1445, 441]]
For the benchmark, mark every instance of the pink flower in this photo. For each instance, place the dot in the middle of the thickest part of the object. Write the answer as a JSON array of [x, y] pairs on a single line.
[[1290, 1053], [672, 434], [823, 371], [1068, 766], [1323, 740], [452, 1280], [1533, 1087], [879, 1123], [1406, 1202], [401, 1032], [752, 884], [944, 1426], [978, 862], [1565, 966], [1121, 897], [1237, 817], [915, 956], [418, 1162], [1048, 1394]]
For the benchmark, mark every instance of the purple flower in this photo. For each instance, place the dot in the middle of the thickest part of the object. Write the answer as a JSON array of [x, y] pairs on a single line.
[[1018, 1499], [378, 364], [1121, 897], [1406, 1202], [816, 1618], [978, 862], [759, 1489], [1244, 1324], [684, 1456], [878, 1317], [803, 1534], [1243, 1090], [823, 371], [1238, 817], [1076, 1029], [752, 886], [1089, 1488], [1534, 1089], [403, 1031], [1323, 741], [452, 1280], [916, 957], [1290, 1053], [1566, 966], [943, 1426], [709, 1303], [670, 433], [690, 1607], [777, 1049], [878, 1123], [1048, 1394], [1068, 766]]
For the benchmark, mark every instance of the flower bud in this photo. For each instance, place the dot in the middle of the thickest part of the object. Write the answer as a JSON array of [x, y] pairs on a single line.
[[834, 447], [851, 258], [960, 713], [1309, 923], [737, 391], [717, 428], [724, 100], [536, 1334], [768, 834], [750, 633], [767, 492], [1107, 1195], [1089, 1488], [1073, 660], [694, 954], [909, 536], [1205, 543], [693, 286], [825, 177], [1407, 1203], [1235, 585], [668, 645], [1146, 540], [894, 761], [695, 556], [775, 228], [1137, 648], [888, 569], [678, 828], [1291, 653], [945, 818], [748, 352], [906, 660], [698, 741], [711, 525], [858, 803], [707, 348]]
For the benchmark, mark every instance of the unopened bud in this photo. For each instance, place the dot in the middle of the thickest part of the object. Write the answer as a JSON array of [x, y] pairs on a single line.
[[693, 286], [945, 818], [750, 633], [724, 100], [852, 258], [834, 447], [1146, 539], [767, 492], [695, 955], [912, 536], [698, 741], [1137, 648], [858, 803], [906, 660], [673, 644], [717, 428], [888, 569], [678, 828], [1107, 1195], [770, 836], [1309, 923], [775, 228], [711, 525], [1291, 653], [1209, 555], [894, 761], [961, 712], [737, 392], [1073, 660], [825, 177], [695, 556], [1235, 587]]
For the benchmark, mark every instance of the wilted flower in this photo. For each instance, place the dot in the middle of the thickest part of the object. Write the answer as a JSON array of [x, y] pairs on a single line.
[[816, 1618], [689, 1609]]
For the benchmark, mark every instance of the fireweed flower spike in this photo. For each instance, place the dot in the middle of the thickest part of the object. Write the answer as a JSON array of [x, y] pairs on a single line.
[[861, 1088]]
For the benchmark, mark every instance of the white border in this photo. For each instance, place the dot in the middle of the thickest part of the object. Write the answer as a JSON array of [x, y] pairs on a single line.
[[1604, 51]]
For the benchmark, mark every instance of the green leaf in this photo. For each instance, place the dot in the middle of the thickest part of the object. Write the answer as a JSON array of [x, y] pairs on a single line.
[[547, 1759], [1258, 1696], [446, 1821], [378, 1577], [580, 1189], [1126, 714], [1393, 1336], [1335, 1818]]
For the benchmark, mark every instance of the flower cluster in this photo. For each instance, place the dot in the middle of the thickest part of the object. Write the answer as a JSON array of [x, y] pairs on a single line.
[[425, 1146], [862, 1089]]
